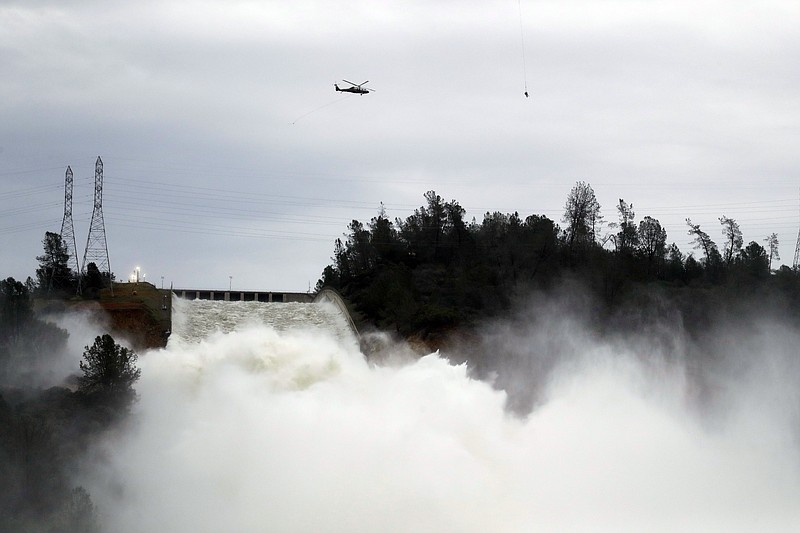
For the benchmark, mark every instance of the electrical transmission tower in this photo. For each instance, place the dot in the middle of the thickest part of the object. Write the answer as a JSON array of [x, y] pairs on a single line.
[[67, 230], [96, 246], [796, 263]]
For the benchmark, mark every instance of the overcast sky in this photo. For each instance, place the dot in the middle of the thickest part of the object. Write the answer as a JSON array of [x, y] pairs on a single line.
[[229, 159]]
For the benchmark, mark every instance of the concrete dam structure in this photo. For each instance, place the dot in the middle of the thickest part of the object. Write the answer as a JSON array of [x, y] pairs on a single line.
[[144, 314], [243, 296]]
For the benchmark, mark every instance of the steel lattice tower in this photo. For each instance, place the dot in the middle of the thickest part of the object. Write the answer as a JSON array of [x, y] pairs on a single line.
[[96, 246], [796, 263], [797, 253], [67, 230]]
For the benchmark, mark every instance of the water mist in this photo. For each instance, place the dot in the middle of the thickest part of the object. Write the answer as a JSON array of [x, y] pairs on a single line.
[[283, 426]]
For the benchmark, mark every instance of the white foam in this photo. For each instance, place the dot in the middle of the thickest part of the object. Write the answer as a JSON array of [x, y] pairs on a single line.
[[262, 429]]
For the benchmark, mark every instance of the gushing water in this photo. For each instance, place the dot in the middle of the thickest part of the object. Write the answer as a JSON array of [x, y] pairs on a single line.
[[248, 422], [194, 321]]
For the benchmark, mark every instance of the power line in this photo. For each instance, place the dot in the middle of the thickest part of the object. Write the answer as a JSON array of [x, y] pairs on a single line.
[[192, 208]]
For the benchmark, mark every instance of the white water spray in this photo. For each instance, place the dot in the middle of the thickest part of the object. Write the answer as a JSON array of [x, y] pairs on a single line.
[[287, 428]]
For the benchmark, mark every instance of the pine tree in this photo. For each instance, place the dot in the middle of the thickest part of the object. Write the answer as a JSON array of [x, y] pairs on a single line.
[[109, 372]]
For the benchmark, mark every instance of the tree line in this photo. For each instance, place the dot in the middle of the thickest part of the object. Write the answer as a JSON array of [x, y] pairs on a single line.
[[45, 432], [434, 270], [55, 278]]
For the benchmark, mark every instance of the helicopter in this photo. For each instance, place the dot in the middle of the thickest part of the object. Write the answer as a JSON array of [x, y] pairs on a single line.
[[357, 88]]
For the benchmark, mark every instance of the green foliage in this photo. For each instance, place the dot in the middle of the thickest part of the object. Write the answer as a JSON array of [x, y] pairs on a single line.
[[772, 248], [109, 372], [702, 241], [433, 271], [651, 246], [93, 281], [627, 238], [673, 263], [754, 260], [733, 239], [43, 435], [54, 275], [25, 341], [582, 216], [15, 313], [435, 232], [79, 514], [713, 265]]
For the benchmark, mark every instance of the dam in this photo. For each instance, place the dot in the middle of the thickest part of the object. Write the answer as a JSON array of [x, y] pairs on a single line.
[[243, 296], [144, 314], [196, 320]]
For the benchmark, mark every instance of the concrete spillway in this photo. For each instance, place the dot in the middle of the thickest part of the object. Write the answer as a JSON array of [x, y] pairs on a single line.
[[195, 320]]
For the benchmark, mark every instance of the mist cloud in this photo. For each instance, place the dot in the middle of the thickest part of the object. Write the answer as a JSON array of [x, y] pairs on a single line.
[[295, 431]]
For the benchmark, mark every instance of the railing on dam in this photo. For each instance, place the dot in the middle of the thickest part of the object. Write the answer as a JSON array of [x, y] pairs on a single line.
[[243, 296]]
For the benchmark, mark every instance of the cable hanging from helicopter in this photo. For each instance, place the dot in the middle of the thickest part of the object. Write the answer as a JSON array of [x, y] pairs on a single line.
[[355, 88], [522, 41], [318, 108]]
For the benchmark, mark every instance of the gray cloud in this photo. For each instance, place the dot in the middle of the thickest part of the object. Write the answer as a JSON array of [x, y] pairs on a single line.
[[683, 108]]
